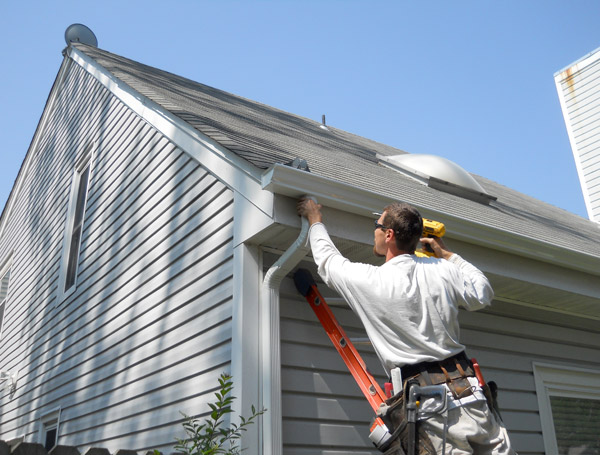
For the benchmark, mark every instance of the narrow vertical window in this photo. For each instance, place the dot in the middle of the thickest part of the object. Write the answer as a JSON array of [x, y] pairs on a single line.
[[5, 277], [75, 241]]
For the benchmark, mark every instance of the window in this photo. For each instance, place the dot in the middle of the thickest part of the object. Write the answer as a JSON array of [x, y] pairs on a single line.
[[75, 243], [74, 226], [4, 281], [569, 402], [49, 426]]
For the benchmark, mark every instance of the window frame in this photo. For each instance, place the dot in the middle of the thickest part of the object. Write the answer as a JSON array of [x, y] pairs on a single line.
[[47, 422], [85, 162], [5, 268], [565, 381]]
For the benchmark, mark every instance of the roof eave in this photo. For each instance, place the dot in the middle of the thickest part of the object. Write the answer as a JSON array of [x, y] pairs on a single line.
[[287, 181]]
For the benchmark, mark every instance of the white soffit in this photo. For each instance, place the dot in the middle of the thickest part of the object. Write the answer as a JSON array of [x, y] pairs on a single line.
[[439, 173]]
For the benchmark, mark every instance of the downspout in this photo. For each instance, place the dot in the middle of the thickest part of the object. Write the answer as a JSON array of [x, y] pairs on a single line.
[[270, 341]]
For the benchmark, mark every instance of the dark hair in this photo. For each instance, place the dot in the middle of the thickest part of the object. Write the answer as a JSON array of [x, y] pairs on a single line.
[[407, 224]]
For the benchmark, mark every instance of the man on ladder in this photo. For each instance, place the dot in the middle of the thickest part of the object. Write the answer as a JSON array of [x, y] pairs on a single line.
[[409, 307]]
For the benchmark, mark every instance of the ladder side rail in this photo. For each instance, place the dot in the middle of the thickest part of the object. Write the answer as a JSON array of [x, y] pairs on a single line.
[[367, 383]]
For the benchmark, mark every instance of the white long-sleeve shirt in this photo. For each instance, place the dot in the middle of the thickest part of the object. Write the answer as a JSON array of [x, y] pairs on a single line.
[[409, 305]]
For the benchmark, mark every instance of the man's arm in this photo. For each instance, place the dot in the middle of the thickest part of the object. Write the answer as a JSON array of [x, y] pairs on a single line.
[[477, 291], [331, 265]]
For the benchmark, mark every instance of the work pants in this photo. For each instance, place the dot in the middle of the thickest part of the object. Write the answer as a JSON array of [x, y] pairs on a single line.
[[472, 429]]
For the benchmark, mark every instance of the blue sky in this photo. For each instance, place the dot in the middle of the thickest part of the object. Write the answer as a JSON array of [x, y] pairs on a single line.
[[471, 81]]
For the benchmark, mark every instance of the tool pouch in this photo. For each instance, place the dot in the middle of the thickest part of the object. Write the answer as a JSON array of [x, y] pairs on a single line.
[[454, 372], [490, 390], [459, 386], [393, 413]]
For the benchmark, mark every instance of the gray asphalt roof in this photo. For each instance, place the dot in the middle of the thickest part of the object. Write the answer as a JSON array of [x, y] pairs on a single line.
[[264, 135]]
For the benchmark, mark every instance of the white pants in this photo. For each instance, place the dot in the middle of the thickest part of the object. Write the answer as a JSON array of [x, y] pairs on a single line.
[[472, 429]]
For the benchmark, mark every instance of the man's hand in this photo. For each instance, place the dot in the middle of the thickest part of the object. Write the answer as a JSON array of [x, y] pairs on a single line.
[[310, 210], [438, 247]]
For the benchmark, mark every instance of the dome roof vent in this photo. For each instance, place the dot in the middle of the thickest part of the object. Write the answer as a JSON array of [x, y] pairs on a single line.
[[439, 173]]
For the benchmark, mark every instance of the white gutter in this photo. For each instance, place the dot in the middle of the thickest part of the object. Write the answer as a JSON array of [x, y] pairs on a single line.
[[269, 341], [292, 182]]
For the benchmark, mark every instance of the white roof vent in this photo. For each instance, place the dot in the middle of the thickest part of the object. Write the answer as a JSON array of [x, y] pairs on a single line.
[[439, 173]]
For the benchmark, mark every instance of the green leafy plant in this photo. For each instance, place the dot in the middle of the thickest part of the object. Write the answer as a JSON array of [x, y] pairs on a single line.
[[210, 436]]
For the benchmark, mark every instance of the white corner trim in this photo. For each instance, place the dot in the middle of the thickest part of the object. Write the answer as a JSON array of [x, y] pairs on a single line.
[[247, 268], [235, 172]]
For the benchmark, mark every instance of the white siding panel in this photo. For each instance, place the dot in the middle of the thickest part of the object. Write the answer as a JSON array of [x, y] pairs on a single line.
[[40, 210], [324, 410], [579, 91], [147, 331]]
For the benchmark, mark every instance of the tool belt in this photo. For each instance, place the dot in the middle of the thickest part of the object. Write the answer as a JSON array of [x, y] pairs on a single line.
[[452, 371], [394, 414]]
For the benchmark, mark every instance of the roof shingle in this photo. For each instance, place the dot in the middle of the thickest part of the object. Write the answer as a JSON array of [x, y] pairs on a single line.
[[264, 135]]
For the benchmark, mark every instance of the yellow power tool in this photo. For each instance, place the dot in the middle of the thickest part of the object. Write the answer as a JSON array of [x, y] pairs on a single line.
[[431, 229]]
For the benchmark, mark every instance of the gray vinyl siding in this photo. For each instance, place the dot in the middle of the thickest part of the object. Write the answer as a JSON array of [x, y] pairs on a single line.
[[147, 332], [324, 411]]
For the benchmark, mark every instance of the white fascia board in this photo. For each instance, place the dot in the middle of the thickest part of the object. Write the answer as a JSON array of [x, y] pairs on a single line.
[[281, 179], [234, 171]]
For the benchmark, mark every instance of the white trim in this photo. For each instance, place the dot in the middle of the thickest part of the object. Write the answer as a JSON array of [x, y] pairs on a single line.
[[247, 266], [561, 380], [294, 183], [253, 219], [228, 167], [49, 421]]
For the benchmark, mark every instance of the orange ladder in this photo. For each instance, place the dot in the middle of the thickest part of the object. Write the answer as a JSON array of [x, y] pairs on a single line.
[[367, 383]]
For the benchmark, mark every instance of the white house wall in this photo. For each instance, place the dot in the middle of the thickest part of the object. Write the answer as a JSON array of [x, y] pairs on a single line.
[[148, 329], [324, 411], [579, 94]]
